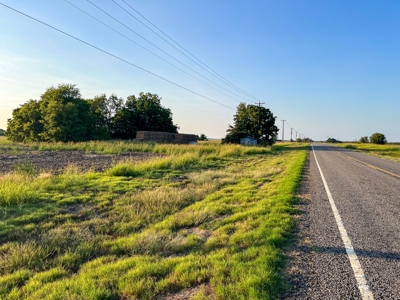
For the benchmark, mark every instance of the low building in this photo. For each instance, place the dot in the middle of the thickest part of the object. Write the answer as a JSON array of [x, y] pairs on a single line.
[[165, 137], [248, 140]]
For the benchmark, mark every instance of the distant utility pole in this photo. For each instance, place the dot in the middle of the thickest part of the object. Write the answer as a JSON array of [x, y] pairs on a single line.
[[291, 134], [283, 130], [259, 108]]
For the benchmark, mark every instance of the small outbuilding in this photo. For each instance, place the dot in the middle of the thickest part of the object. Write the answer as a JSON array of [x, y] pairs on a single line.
[[248, 140]]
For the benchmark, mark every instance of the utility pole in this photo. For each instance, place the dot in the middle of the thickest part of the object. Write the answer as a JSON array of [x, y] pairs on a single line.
[[259, 108], [291, 134], [283, 130]]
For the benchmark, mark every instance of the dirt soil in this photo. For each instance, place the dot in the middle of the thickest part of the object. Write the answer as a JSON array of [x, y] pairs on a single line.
[[56, 161]]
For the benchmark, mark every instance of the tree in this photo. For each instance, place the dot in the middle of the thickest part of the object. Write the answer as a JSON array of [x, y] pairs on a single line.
[[251, 120], [26, 124], [202, 137], [364, 139], [144, 112], [103, 111], [61, 115], [332, 140], [378, 138], [65, 115], [2, 132]]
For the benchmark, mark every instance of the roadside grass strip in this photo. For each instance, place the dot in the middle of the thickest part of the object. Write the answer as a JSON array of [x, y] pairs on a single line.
[[210, 217], [388, 151]]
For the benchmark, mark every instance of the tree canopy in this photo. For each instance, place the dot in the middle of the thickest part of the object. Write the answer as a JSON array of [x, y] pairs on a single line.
[[332, 140], [202, 137], [62, 115], [144, 112], [251, 120], [378, 138]]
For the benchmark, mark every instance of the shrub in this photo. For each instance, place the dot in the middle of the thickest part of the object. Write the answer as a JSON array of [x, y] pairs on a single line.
[[378, 138]]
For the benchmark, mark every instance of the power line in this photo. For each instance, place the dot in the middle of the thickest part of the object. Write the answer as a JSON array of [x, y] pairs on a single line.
[[117, 57], [149, 50], [154, 45], [215, 74]]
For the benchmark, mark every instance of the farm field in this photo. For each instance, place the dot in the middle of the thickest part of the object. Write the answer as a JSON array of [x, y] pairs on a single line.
[[388, 151], [205, 221]]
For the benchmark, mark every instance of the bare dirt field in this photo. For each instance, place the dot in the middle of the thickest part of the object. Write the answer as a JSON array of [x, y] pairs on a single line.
[[56, 161]]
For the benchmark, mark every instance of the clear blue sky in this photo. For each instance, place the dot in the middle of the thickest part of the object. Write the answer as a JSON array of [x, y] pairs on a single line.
[[330, 68]]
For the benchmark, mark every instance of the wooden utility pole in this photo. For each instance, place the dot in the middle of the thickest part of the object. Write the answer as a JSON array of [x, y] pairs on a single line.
[[259, 109]]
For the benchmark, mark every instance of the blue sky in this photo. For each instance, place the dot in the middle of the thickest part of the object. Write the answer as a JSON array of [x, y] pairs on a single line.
[[330, 68]]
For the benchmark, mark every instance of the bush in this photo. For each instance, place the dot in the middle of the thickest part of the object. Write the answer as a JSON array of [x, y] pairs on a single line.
[[378, 138], [332, 140]]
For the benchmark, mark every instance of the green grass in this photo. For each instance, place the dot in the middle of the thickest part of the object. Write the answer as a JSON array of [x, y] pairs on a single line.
[[205, 215], [388, 151]]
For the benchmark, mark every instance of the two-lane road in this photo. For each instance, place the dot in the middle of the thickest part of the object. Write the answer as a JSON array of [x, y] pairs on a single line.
[[350, 233]]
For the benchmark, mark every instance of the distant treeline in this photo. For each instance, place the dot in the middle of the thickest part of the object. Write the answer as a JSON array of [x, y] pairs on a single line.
[[2, 132], [62, 115]]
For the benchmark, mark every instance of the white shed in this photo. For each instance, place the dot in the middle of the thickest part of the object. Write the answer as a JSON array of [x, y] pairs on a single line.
[[248, 140]]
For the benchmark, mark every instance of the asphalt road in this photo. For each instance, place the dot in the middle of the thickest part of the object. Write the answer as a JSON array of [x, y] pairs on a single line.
[[366, 193]]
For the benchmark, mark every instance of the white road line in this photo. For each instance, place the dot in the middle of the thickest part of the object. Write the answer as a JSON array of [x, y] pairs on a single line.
[[365, 291]]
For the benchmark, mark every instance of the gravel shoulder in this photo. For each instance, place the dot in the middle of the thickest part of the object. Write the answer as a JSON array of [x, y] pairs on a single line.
[[57, 161]]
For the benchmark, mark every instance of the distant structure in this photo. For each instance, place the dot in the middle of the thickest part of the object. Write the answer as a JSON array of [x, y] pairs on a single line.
[[166, 137], [248, 140]]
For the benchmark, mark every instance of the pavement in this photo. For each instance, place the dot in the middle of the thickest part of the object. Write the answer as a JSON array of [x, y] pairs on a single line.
[[348, 239]]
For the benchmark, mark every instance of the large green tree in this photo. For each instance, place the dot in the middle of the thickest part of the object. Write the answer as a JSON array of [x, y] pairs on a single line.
[[143, 112], [378, 138], [251, 120], [26, 123], [66, 116], [103, 111], [61, 115]]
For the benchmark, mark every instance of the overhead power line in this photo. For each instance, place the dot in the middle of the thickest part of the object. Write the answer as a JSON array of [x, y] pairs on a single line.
[[154, 45], [148, 50], [117, 57], [202, 65]]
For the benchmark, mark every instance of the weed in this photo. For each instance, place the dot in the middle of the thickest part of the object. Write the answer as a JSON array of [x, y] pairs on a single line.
[[26, 167]]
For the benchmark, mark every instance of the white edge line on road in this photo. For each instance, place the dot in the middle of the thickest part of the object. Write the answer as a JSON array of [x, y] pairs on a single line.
[[365, 291]]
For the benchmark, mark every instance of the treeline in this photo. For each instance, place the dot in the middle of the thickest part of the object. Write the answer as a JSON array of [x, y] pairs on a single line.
[[62, 115]]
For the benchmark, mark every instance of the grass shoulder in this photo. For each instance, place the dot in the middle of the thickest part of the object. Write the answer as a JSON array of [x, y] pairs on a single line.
[[387, 151]]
